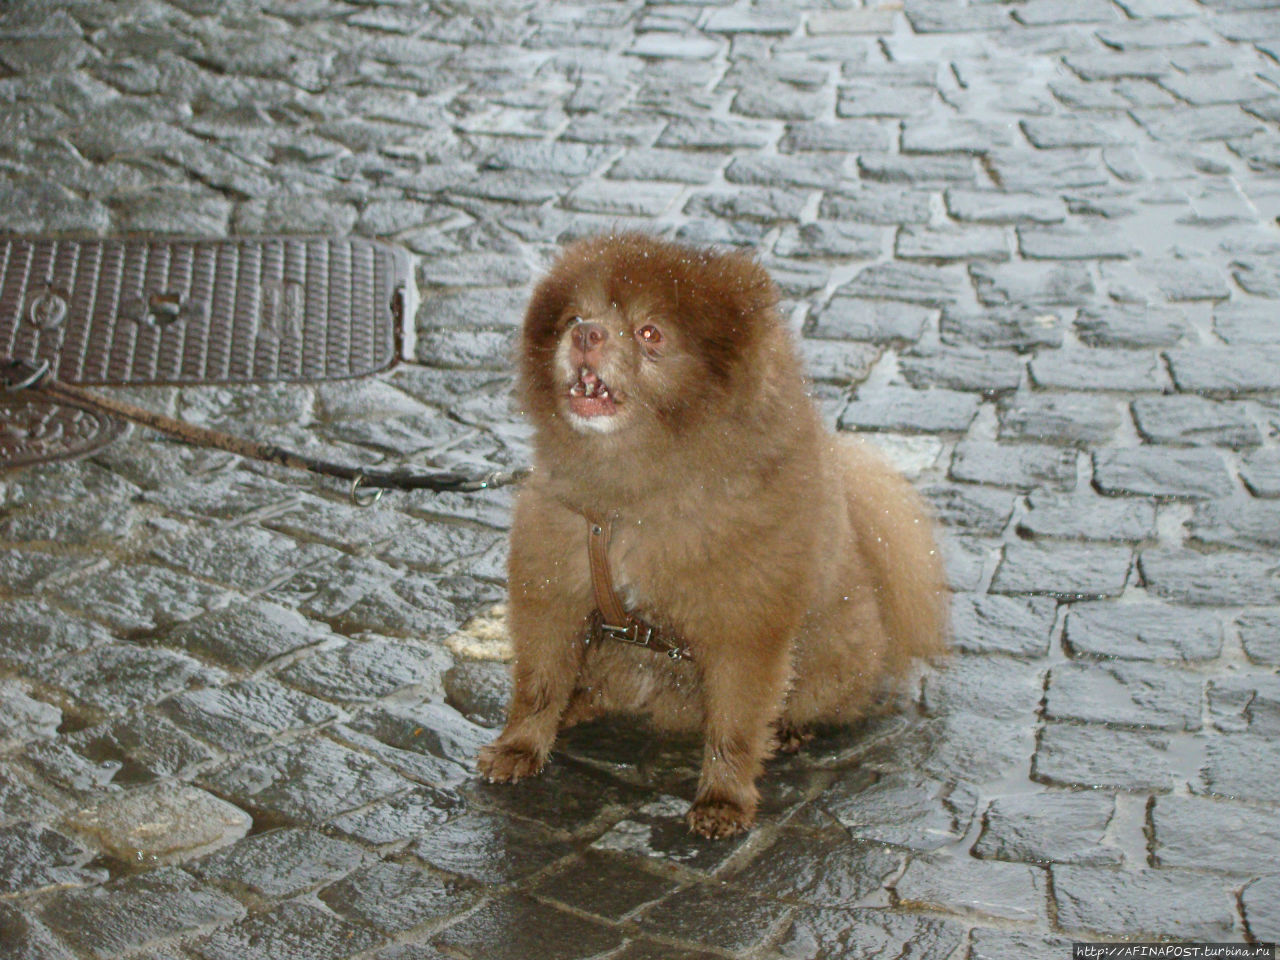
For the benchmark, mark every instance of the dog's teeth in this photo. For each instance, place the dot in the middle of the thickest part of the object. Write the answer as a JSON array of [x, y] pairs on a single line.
[[591, 389]]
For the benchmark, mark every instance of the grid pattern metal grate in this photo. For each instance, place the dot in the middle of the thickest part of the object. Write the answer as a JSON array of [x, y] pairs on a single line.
[[178, 311]]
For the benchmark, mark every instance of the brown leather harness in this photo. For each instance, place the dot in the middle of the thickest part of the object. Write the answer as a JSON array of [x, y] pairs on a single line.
[[611, 620]]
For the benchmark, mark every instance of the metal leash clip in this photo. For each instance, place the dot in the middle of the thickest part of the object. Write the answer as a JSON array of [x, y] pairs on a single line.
[[19, 375], [369, 498]]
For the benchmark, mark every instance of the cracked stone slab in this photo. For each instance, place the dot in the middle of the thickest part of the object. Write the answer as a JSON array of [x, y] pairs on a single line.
[[160, 823]]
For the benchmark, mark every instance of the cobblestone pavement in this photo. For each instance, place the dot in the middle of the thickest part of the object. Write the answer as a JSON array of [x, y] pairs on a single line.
[[1030, 244]]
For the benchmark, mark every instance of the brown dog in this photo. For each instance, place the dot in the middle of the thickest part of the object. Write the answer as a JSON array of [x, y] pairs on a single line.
[[785, 573]]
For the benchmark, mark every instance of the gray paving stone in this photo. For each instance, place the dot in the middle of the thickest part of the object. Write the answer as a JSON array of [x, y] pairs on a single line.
[[998, 687], [657, 831], [1109, 369], [1080, 516], [959, 135], [937, 16], [991, 206], [1066, 418], [118, 677], [1217, 371], [1198, 125], [711, 916], [710, 133], [1050, 285], [1128, 325], [1260, 634], [294, 930], [503, 930], [1072, 243], [982, 888], [1065, 570], [394, 897], [1051, 827], [367, 670], [848, 136], [879, 321], [1244, 323], [1247, 703], [1159, 903], [1240, 767], [306, 781], [128, 915], [919, 814], [1246, 523], [605, 885], [488, 848], [829, 239], [862, 933], [1164, 472], [823, 870], [1232, 577], [952, 244], [141, 597], [1002, 328], [1093, 757], [26, 938], [876, 204], [873, 99], [1055, 133], [1260, 903], [991, 623], [1124, 694], [19, 802], [1019, 171], [24, 718], [993, 944], [159, 823], [764, 204], [1142, 631], [988, 371], [1189, 419], [142, 746], [246, 636], [917, 169], [979, 510], [246, 714], [404, 816], [36, 857], [1023, 466], [279, 863], [427, 741], [904, 409]]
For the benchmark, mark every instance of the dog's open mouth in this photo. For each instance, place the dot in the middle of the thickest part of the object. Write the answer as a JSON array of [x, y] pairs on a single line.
[[591, 396]]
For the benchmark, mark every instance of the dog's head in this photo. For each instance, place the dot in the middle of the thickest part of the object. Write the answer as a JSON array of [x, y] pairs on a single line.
[[630, 334]]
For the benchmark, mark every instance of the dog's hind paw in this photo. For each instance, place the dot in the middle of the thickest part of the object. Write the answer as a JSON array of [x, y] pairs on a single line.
[[717, 819], [508, 763]]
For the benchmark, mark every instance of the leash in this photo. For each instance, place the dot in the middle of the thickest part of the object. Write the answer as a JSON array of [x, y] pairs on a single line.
[[367, 486]]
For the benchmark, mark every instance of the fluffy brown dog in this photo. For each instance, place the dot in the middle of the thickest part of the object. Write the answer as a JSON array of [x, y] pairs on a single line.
[[793, 571]]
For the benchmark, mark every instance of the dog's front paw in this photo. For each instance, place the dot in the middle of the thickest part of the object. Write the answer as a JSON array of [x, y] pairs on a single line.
[[717, 819], [508, 763]]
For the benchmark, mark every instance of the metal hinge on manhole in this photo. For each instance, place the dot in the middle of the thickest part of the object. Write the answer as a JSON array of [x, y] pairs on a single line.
[[197, 311]]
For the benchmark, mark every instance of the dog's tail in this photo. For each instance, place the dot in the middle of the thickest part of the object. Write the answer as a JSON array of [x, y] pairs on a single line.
[[895, 534]]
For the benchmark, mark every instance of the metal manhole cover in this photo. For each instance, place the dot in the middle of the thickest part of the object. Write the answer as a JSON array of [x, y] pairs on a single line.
[[188, 311], [35, 431]]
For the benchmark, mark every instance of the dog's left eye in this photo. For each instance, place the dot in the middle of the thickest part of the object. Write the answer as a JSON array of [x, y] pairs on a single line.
[[649, 335]]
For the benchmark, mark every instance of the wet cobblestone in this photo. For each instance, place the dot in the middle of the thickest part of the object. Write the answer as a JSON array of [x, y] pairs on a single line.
[[1031, 247]]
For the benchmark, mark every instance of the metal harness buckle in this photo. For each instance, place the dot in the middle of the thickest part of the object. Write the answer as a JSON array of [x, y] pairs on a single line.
[[629, 634]]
